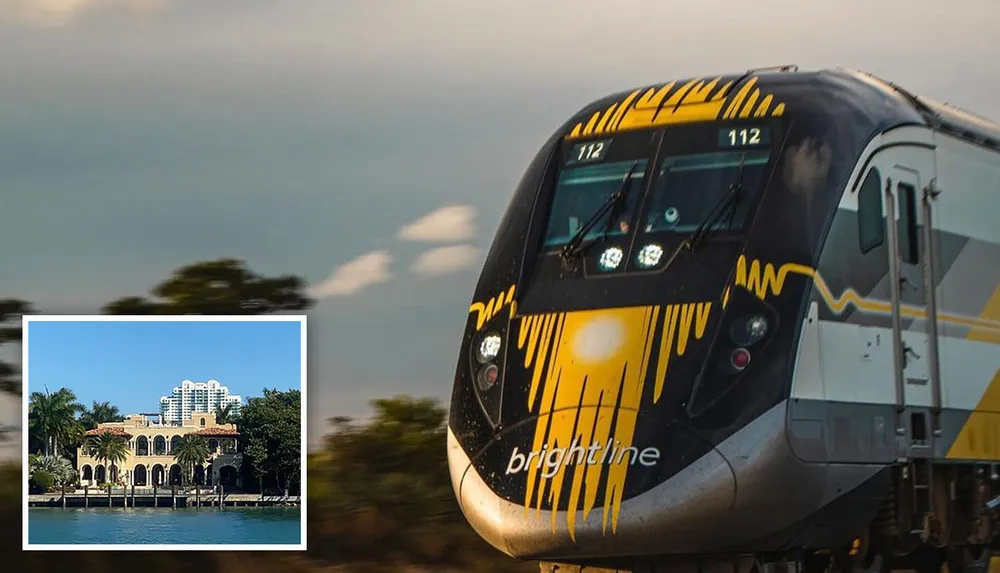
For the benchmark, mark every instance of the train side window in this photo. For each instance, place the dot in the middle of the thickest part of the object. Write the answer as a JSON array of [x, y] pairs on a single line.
[[871, 219], [909, 246]]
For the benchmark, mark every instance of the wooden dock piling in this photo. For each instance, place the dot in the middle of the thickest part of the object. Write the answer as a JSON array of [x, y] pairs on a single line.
[[150, 498]]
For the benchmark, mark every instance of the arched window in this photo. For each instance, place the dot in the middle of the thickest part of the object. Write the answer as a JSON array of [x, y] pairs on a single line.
[[203, 421]]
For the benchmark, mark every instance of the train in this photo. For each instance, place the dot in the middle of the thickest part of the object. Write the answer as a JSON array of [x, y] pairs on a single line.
[[743, 321]]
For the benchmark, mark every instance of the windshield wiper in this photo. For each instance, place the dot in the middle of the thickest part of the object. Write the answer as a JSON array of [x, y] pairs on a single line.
[[727, 202], [575, 245]]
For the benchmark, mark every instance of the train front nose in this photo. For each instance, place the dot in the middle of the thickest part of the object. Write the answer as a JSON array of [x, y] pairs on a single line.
[[594, 481]]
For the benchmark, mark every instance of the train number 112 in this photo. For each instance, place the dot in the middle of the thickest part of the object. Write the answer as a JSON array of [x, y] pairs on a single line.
[[591, 151], [744, 136]]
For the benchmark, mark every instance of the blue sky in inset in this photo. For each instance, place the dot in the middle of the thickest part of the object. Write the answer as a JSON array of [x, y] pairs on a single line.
[[131, 364], [137, 136]]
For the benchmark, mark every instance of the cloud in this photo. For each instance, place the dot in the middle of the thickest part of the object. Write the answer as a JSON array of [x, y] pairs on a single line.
[[61, 12], [354, 276], [444, 260], [450, 223]]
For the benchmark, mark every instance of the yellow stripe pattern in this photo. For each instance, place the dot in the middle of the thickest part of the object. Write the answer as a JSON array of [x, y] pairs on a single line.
[[766, 279], [487, 310], [697, 100], [587, 396]]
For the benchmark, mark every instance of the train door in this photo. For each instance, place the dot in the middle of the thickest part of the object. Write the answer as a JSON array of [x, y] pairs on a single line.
[[914, 336]]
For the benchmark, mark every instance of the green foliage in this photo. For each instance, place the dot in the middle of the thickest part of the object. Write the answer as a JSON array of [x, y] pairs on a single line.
[[225, 415], [100, 413], [52, 423], [42, 480], [270, 427], [222, 286], [107, 448], [255, 452], [190, 450], [60, 469]]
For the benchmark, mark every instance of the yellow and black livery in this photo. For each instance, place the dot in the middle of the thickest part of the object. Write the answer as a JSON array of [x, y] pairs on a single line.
[[626, 381]]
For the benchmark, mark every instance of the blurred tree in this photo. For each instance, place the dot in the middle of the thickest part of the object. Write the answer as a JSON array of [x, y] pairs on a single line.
[[386, 487], [11, 311], [221, 286], [99, 413], [10, 485]]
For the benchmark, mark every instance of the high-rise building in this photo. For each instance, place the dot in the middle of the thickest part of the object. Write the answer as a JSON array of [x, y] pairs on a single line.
[[192, 397]]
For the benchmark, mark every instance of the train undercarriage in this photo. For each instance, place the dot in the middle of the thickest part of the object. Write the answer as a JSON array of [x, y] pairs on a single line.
[[934, 516]]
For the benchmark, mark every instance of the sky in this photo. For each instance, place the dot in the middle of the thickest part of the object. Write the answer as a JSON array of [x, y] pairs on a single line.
[[132, 364], [369, 147]]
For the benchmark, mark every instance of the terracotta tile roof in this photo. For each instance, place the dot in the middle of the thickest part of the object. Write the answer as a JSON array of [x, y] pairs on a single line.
[[115, 430], [216, 432]]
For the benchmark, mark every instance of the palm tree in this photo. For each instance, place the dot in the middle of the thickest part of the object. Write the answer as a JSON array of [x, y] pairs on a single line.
[[191, 450], [224, 414], [108, 448], [52, 418], [100, 413]]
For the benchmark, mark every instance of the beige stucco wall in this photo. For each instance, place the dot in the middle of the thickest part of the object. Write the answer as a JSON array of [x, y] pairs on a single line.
[[223, 451]]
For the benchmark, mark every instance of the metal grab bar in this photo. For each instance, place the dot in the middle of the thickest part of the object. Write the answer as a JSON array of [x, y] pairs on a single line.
[[930, 268], [898, 358]]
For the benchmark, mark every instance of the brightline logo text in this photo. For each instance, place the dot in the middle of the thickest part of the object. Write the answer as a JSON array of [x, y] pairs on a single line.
[[597, 454]]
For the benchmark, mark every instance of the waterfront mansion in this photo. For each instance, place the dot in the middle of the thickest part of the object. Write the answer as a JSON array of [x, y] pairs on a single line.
[[150, 460]]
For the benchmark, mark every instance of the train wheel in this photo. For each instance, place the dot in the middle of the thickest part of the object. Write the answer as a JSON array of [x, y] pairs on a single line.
[[969, 559]]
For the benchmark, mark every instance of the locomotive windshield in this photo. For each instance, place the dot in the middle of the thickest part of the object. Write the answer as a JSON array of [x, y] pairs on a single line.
[[683, 175], [688, 188], [582, 191]]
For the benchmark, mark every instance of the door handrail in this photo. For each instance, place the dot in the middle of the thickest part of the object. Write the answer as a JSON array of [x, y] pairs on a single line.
[[929, 257], [895, 298]]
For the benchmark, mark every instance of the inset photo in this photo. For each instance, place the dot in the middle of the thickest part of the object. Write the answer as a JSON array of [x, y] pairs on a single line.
[[164, 432]]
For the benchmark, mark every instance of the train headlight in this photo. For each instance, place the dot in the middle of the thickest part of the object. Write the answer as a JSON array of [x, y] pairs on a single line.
[[749, 330], [488, 377], [489, 348], [649, 256], [610, 259]]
